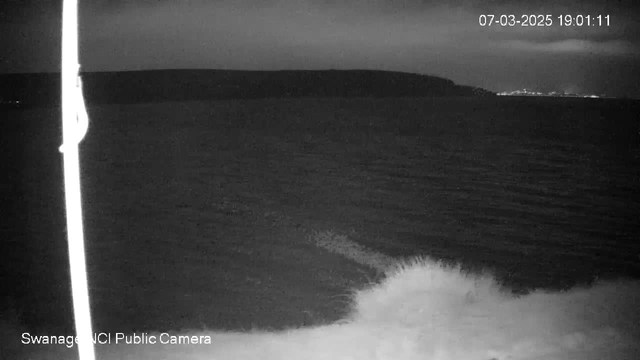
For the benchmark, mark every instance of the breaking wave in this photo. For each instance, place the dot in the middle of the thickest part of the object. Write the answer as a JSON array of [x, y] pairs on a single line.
[[424, 309]]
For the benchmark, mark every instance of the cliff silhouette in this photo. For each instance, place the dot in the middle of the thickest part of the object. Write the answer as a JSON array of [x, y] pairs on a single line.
[[43, 89]]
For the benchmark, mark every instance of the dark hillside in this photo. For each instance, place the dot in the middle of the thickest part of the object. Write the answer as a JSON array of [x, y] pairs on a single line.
[[181, 85]]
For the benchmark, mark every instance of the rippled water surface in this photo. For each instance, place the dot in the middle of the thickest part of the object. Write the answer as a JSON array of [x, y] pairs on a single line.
[[543, 191]]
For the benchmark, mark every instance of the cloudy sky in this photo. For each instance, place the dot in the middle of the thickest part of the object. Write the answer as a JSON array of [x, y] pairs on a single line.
[[442, 38]]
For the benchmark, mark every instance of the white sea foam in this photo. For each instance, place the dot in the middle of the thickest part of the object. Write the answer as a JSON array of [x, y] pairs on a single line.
[[424, 309]]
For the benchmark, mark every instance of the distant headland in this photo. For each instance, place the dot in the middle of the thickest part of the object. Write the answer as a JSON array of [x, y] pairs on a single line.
[[43, 89]]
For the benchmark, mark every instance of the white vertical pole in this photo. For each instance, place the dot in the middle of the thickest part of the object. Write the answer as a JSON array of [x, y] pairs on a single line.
[[72, 133]]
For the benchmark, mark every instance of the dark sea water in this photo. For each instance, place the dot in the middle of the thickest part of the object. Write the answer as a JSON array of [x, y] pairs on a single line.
[[545, 192]]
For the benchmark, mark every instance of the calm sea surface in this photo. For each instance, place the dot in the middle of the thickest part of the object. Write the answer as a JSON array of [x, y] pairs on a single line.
[[546, 192]]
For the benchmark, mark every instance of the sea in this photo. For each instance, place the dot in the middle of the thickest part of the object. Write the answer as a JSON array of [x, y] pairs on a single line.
[[543, 192]]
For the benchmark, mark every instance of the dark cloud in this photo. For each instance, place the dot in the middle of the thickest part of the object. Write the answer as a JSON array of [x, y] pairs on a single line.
[[435, 37], [32, 12]]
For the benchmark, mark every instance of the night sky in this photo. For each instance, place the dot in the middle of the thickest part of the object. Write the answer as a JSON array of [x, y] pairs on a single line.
[[426, 37]]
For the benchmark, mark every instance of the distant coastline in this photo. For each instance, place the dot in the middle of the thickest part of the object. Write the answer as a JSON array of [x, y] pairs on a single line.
[[43, 89]]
